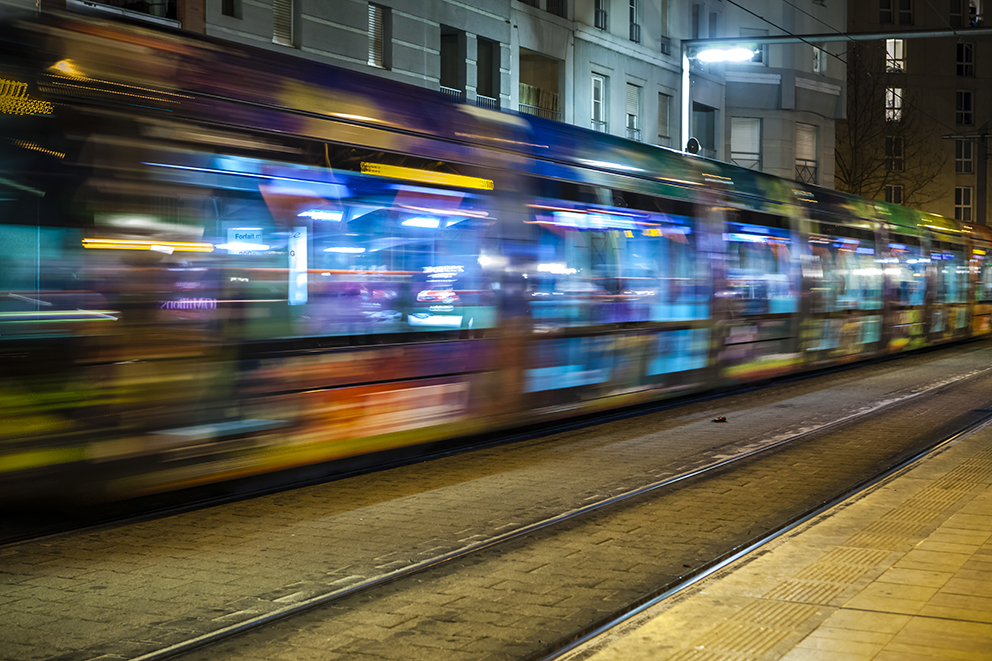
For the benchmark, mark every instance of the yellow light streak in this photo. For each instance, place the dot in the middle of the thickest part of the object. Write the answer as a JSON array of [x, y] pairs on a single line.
[[67, 68], [139, 244], [36, 147], [14, 100], [426, 176]]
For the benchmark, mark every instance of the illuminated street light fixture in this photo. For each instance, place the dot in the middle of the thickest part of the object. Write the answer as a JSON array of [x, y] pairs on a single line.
[[708, 55], [739, 54]]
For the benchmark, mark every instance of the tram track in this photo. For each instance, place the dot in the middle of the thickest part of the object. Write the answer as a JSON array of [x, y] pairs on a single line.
[[572, 639], [582, 644], [199, 583]]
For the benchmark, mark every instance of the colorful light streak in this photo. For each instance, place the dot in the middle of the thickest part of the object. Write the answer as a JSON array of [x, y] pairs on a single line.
[[426, 176], [143, 244]]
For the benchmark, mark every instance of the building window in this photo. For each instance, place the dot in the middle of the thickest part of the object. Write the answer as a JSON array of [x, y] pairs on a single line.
[[975, 13], [557, 7], [895, 55], [893, 104], [964, 112], [966, 60], [453, 62], [282, 23], [380, 25], [893, 154], [885, 11], [745, 142], [893, 194], [633, 112], [704, 128], [599, 95], [962, 203], [664, 120], [819, 60], [759, 51], [231, 8], [806, 149], [956, 17], [963, 159], [905, 12], [487, 73], [601, 16], [635, 21], [666, 39]]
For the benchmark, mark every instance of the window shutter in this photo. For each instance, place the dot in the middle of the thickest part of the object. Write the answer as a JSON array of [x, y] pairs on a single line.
[[376, 36], [745, 135], [805, 141], [282, 22], [633, 105], [664, 107]]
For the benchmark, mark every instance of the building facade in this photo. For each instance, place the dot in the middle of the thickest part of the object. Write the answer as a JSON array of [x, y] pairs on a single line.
[[614, 66], [926, 135]]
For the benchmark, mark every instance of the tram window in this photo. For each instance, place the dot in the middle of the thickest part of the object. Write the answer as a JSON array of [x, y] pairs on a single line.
[[908, 267], [983, 292], [849, 269], [306, 251], [949, 259], [760, 273], [603, 263]]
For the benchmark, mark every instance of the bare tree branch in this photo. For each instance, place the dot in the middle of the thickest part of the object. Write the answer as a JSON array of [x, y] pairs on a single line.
[[873, 142]]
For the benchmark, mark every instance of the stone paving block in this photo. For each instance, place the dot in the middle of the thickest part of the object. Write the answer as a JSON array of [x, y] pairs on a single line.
[[18, 651], [260, 541]]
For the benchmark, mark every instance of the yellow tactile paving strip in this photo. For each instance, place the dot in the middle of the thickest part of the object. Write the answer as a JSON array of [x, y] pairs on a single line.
[[902, 573]]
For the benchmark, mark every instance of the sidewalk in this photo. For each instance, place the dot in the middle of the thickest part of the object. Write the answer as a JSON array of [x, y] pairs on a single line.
[[902, 573]]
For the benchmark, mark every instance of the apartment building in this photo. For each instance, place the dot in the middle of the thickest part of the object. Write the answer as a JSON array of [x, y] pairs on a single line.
[[921, 137], [615, 66]]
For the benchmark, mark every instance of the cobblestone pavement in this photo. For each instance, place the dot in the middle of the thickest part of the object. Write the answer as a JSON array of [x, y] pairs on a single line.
[[901, 572], [512, 601], [128, 590]]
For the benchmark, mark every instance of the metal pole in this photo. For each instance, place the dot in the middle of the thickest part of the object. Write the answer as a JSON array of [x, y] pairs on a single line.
[[686, 92]]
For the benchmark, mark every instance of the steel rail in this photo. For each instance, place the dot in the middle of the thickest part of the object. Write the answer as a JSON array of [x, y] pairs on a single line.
[[298, 608], [564, 647]]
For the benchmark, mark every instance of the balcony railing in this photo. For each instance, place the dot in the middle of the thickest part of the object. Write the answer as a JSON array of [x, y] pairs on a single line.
[[487, 102], [601, 19], [635, 33], [664, 141], [666, 45], [746, 159], [540, 112], [805, 171], [558, 8], [452, 93], [599, 125], [633, 134]]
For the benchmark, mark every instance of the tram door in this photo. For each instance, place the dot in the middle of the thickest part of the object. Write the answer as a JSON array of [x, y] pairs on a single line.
[[845, 278], [907, 273], [951, 312], [760, 296]]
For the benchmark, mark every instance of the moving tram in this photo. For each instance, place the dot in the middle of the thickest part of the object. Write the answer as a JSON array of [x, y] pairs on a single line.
[[219, 262]]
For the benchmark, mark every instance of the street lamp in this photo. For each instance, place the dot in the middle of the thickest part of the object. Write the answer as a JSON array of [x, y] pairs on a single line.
[[709, 55]]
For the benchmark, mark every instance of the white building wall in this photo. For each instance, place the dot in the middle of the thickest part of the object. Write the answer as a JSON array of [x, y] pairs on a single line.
[[781, 90]]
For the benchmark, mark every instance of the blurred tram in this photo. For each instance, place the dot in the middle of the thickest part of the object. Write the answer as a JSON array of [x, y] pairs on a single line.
[[218, 262]]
